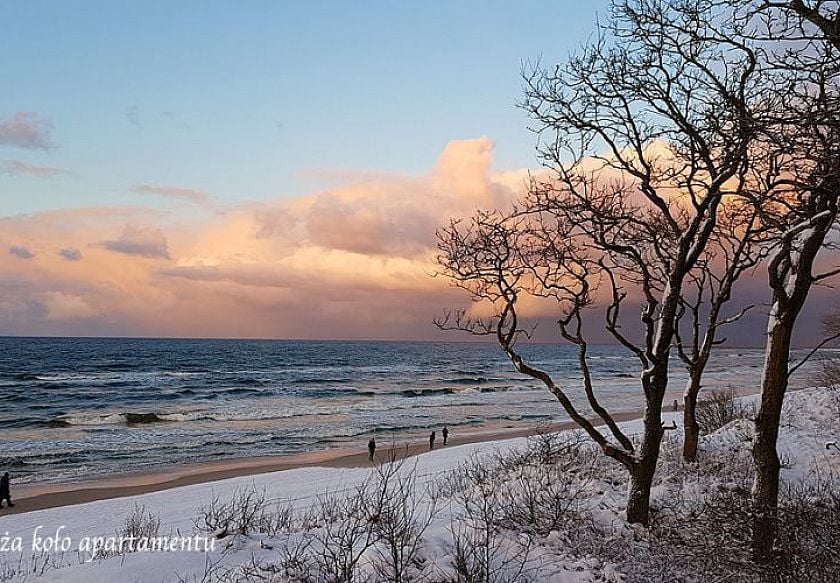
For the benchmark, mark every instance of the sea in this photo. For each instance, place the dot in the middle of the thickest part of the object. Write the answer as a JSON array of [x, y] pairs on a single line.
[[75, 409]]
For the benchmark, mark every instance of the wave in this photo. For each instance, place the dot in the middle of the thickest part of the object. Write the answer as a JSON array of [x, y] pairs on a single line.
[[470, 380], [128, 418], [25, 376], [12, 462], [324, 380], [426, 392], [43, 377], [142, 418], [241, 391]]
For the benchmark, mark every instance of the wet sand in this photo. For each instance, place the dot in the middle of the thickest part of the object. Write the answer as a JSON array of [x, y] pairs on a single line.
[[29, 498]]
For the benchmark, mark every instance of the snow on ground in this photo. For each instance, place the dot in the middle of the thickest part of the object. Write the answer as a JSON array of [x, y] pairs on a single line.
[[810, 422]]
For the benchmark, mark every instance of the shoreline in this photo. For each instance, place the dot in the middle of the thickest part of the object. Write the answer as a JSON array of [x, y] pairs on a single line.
[[31, 498]]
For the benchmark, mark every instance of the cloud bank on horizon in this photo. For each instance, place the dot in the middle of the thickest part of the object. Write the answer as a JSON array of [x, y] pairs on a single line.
[[355, 260]]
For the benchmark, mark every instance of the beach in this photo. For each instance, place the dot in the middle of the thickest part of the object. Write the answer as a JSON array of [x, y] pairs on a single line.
[[32, 497]]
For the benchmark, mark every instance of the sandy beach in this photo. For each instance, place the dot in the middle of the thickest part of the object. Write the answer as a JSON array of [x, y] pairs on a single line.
[[31, 497]]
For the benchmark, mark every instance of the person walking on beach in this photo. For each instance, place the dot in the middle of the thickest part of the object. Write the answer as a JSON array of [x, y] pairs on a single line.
[[676, 405], [445, 433], [432, 440], [371, 448], [5, 493]]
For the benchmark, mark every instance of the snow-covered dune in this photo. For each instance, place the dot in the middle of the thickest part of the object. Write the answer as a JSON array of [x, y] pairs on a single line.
[[810, 423]]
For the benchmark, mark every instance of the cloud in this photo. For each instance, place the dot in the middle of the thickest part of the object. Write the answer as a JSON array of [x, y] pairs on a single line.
[[352, 260], [391, 215], [70, 254], [142, 242], [26, 130], [64, 306], [21, 252], [178, 192], [16, 167]]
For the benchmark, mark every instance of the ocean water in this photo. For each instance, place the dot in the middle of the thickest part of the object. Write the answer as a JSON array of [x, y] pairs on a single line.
[[77, 408]]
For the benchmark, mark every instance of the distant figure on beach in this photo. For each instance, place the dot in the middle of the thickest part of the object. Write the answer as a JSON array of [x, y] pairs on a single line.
[[676, 405], [5, 494], [371, 448], [445, 433], [432, 440]]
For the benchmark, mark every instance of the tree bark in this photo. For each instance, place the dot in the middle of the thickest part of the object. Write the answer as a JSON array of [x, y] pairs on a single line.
[[638, 495], [641, 474], [765, 490], [691, 428]]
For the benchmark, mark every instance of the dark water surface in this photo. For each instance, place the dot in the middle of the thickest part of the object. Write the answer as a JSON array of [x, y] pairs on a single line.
[[73, 408]]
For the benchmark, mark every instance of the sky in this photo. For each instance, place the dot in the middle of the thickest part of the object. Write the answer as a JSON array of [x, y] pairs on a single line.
[[255, 100], [256, 169]]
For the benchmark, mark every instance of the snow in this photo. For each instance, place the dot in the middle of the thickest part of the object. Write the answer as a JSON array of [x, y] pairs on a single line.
[[809, 423]]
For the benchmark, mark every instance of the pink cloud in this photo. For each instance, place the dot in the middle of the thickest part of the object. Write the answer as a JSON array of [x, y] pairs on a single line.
[[351, 261], [70, 254], [391, 215], [16, 167], [26, 130], [21, 252], [142, 242]]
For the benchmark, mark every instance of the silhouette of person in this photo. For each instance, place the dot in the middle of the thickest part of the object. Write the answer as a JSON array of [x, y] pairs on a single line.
[[676, 405], [432, 440], [371, 448], [5, 493], [445, 433]]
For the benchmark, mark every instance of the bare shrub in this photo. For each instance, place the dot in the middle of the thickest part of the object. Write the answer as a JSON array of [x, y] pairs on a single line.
[[374, 532], [296, 562], [21, 567], [546, 446], [256, 570], [15, 570], [509, 498], [708, 539], [808, 541], [829, 377], [345, 535], [720, 408], [381, 521], [400, 522], [248, 511], [139, 524], [474, 471], [481, 552], [549, 487]]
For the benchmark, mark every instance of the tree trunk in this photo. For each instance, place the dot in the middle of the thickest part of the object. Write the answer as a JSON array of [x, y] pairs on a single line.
[[691, 438], [765, 490], [641, 475], [638, 495]]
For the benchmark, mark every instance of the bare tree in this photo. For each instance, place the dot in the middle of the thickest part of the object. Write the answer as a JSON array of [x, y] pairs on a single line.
[[824, 15], [735, 247], [803, 146], [644, 134]]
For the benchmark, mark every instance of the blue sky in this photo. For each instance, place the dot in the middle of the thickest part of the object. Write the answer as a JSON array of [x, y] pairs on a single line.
[[247, 100]]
